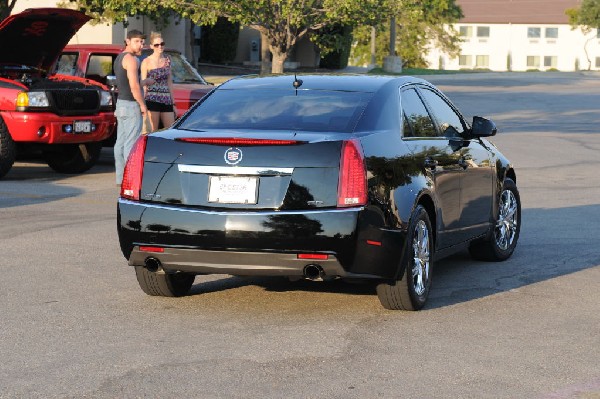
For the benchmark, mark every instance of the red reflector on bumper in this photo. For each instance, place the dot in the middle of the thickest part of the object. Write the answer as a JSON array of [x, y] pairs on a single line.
[[152, 249], [313, 256], [376, 243]]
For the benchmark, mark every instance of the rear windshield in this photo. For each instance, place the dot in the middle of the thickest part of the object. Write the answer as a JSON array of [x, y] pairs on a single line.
[[301, 110]]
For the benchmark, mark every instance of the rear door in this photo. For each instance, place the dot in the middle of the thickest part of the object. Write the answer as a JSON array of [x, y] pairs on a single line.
[[438, 158]]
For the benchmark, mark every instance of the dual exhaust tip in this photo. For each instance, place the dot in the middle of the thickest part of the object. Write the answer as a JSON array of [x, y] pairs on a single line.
[[311, 271]]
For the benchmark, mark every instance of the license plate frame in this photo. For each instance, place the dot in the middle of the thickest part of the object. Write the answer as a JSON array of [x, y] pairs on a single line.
[[233, 189], [82, 126]]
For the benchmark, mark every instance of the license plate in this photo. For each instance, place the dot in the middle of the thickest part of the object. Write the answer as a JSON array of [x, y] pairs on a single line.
[[82, 126], [233, 189]]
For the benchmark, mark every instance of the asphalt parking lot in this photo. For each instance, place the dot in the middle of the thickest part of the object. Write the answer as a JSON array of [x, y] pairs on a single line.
[[74, 323]]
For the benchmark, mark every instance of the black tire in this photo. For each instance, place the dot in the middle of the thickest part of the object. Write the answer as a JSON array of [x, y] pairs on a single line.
[[164, 284], [502, 241], [412, 290], [8, 150], [73, 158]]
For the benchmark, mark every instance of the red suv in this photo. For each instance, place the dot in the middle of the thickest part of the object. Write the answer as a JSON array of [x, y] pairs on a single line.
[[65, 118], [95, 62]]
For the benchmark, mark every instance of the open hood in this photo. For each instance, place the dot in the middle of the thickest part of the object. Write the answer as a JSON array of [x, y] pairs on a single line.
[[36, 36]]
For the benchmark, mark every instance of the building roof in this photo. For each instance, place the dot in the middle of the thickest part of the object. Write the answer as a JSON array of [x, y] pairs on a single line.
[[516, 11]]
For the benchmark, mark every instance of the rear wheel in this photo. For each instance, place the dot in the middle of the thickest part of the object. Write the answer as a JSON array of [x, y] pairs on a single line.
[[164, 284], [412, 290], [8, 150], [501, 243], [73, 158]]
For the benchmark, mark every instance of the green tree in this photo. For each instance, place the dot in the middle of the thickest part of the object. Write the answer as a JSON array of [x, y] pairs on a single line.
[[281, 23], [418, 24], [6, 7], [586, 17]]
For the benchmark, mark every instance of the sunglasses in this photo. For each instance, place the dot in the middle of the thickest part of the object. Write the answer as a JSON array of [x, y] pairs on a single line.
[[161, 44]]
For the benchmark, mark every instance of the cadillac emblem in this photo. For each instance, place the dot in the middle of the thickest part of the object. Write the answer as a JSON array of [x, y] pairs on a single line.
[[233, 156]]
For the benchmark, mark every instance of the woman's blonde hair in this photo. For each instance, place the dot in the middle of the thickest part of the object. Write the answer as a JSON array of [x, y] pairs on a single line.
[[155, 35]]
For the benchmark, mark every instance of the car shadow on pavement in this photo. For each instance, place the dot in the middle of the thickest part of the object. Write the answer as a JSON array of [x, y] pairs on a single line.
[[544, 252], [281, 284], [458, 279], [32, 181]]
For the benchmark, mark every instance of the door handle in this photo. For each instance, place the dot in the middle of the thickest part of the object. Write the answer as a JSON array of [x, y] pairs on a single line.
[[431, 163]]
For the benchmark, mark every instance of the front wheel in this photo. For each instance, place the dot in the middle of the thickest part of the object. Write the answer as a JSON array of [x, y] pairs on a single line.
[[502, 242], [412, 290], [164, 284], [73, 158], [8, 150]]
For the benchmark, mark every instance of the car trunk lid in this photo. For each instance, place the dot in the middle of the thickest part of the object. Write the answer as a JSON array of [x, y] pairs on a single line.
[[244, 170]]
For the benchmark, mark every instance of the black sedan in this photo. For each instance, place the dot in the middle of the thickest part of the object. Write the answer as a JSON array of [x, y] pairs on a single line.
[[320, 177]]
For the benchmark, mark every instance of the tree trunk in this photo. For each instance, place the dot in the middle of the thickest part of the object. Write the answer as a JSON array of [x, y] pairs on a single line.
[[6, 9], [265, 55], [279, 58]]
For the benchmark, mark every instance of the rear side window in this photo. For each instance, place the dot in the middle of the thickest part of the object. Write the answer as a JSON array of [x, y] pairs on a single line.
[[67, 64], [302, 110], [416, 115], [99, 66]]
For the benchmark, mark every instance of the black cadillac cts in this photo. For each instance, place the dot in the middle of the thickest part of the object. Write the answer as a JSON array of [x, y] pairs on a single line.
[[320, 177]]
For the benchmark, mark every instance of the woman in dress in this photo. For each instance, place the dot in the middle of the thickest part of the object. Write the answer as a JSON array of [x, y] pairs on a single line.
[[158, 96]]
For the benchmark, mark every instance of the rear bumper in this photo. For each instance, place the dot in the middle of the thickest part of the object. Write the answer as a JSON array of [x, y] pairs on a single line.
[[48, 128], [258, 243], [200, 261]]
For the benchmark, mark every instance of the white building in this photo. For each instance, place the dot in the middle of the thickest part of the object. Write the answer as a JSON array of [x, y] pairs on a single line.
[[520, 35]]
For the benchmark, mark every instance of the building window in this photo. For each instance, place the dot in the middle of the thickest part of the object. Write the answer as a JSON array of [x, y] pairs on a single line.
[[534, 33], [597, 62], [482, 61], [551, 61], [533, 61], [465, 31], [465, 61], [551, 33], [483, 31]]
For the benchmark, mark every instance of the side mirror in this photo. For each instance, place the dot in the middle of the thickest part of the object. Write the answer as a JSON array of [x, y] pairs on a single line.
[[483, 127], [111, 81]]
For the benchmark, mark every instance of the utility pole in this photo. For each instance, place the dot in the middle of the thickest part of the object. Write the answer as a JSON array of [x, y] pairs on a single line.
[[392, 63], [373, 63]]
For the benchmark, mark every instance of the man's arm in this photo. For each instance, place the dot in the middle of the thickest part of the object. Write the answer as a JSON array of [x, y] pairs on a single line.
[[130, 63]]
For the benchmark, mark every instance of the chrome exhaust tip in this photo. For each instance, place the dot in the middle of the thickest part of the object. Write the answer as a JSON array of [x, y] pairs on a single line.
[[313, 272], [152, 264]]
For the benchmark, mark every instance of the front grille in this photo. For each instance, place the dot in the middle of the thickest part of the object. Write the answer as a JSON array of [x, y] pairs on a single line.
[[75, 102]]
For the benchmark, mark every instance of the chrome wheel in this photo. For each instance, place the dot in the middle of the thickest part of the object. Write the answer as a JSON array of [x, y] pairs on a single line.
[[507, 224], [411, 290], [420, 267]]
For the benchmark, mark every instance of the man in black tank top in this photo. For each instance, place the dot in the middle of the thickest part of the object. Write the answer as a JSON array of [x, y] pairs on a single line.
[[131, 108]]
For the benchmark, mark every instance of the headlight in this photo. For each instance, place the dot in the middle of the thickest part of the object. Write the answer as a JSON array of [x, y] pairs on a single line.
[[32, 99], [105, 99]]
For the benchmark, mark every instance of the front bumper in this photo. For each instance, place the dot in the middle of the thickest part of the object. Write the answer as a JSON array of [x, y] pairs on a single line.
[[49, 128], [259, 242]]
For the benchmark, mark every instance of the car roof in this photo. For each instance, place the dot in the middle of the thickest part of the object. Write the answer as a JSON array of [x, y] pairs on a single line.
[[342, 82]]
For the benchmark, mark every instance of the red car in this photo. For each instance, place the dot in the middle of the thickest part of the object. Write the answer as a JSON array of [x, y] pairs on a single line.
[[95, 62], [65, 118]]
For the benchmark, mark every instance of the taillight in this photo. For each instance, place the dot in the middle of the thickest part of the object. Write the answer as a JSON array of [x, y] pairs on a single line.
[[352, 186], [134, 170]]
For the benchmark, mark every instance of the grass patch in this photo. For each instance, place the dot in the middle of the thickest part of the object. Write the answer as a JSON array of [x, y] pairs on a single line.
[[424, 71]]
